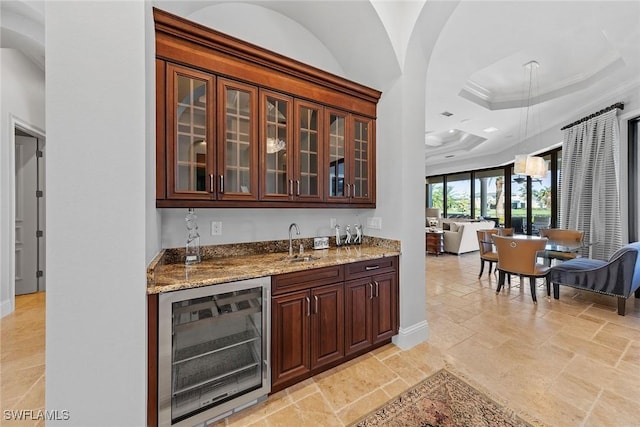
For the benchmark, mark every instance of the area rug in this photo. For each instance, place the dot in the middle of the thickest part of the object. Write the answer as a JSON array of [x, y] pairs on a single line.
[[443, 400]]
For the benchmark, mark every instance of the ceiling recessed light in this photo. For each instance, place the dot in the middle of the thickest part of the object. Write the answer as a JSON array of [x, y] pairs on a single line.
[[446, 114], [452, 130], [490, 129]]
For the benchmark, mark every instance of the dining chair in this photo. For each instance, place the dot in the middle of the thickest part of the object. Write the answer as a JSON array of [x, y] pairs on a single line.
[[518, 256], [505, 231], [563, 235], [487, 254]]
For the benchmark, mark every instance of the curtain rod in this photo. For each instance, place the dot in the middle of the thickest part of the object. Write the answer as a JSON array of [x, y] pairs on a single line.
[[619, 105]]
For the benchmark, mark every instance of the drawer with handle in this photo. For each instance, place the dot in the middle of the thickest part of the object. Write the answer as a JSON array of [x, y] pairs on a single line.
[[370, 267]]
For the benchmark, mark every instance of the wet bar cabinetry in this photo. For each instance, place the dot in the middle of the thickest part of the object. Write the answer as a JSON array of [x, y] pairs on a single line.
[[241, 126], [325, 316]]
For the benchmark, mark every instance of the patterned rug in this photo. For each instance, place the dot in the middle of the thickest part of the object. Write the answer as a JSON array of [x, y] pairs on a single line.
[[443, 400]]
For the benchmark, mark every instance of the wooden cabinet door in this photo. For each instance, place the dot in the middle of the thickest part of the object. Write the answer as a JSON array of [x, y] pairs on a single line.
[[309, 153], [336, 161], [276, 146], [290, 314], [327, 324], [385, 307], [190, 133], [358, 304], [361, 180], [237, 144]]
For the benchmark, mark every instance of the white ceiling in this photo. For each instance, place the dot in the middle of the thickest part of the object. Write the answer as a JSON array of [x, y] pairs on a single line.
[[589, 56], [588, 51]]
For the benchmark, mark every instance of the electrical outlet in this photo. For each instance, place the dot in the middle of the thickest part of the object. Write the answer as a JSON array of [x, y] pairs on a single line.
[[374, 223], [216, 228], [332, 222]]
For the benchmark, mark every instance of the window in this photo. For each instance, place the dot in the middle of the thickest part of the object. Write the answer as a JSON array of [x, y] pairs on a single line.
[[541, 200], [435, 193], [459, 196], [524, 203], [489, 195]]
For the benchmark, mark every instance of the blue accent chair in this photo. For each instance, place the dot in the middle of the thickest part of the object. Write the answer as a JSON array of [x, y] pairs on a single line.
[[618, 277]]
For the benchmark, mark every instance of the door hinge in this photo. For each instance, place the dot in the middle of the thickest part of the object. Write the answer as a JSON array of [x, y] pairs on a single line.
[[39, 273], [39, 193], [39, 153], [39, 233]]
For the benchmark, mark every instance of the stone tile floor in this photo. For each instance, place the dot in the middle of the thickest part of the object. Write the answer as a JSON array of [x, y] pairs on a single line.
[[572, 362]]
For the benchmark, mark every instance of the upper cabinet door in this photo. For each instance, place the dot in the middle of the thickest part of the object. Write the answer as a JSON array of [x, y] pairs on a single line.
[[190, 133], [276, 146], [362, 180], [309, 153], [237, 141], [336, 165]]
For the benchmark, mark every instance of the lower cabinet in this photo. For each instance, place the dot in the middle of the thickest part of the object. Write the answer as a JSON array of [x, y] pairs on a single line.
[[307, 331], [323, 317], [371, 311]]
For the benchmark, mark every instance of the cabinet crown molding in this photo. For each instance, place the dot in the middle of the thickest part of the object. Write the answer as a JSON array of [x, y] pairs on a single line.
[[180, 28]]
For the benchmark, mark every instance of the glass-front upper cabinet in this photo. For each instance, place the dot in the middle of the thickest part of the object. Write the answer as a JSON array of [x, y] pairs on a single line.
[[276, 146], [308, 179], [190, 100], [237, 136], [361, 180], [336, 166], [350, 159]]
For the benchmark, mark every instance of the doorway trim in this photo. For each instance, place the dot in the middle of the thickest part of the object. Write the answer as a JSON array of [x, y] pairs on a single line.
[[7, 307]]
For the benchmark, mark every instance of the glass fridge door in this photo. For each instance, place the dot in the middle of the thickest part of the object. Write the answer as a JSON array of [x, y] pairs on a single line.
[[217, 348]]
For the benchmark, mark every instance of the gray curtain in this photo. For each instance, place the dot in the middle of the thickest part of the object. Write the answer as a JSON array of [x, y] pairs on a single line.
[[589, 183]]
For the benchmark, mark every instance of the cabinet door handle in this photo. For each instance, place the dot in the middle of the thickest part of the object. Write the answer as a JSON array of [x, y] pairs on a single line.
[[371, 267], [377, 288], [298, 190], [211, 184], [370, 290], [308, 306], [222, 183], [291, 187], [315, 297], [348, 191]]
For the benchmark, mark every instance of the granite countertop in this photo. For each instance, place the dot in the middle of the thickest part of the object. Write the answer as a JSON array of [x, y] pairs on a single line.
[[167, 272]]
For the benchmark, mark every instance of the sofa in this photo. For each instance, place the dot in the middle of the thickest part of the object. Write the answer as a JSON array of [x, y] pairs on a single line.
[[461, 237]]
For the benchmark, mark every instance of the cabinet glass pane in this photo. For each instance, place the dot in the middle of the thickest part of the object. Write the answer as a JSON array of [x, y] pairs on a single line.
[[361, 157], [336, 155], [276, 146], [308, 156], [191, 131], [238, 146]]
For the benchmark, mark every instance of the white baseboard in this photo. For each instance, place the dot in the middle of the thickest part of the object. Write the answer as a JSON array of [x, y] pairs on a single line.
[[412, 335], [5, 308]]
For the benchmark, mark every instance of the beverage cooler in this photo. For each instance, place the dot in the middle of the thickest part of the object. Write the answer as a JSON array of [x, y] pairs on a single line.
[[213, 351]]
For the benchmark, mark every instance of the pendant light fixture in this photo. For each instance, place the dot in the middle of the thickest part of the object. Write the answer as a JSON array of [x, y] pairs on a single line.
[[524, 164]]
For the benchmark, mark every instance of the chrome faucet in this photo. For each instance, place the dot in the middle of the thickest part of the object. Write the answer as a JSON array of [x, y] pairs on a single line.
[[293, 224]]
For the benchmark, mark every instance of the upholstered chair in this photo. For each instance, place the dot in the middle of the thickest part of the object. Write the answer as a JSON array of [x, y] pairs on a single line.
[[618, 277], [487, 254], [505, 231], [561, 235], [518, 256]]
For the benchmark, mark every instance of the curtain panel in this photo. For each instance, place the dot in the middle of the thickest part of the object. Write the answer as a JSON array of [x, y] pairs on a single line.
[[589, 180]]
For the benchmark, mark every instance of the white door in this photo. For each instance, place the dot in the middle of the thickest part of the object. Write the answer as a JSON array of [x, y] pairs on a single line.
[[29, 227]]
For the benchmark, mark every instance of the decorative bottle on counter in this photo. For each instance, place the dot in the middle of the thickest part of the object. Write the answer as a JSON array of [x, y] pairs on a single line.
[[192, 249]]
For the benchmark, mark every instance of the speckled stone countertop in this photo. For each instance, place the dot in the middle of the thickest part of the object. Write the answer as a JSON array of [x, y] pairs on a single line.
[[228, 263]]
